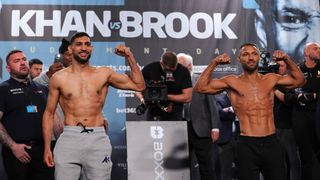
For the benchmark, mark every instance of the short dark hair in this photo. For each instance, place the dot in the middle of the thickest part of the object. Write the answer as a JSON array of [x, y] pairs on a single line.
[[35, 61], [12, 52], [249, 44], [170, 59], [64, 46], [78, 35]]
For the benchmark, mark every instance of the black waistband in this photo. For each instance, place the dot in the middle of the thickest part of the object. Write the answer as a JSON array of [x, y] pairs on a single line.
[[253, 138]]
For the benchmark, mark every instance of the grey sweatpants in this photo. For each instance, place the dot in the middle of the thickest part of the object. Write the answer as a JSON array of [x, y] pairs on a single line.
[[86, 155]]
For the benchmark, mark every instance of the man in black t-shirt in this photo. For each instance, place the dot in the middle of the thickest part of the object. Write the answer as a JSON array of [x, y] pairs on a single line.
[[176, 79], [22, 103], [304, 113]]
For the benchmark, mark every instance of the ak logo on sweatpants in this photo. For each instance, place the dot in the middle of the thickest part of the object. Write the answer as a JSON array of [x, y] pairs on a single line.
[[106, 159]]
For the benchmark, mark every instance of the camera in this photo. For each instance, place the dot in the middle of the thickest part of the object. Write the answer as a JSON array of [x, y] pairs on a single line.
[[155, 91], [267, 66]]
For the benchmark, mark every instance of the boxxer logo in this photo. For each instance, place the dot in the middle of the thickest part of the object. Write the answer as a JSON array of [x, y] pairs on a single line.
[[156, 133]]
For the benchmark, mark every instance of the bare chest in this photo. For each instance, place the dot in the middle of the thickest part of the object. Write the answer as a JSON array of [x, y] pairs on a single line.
[[252, 94], [84, 87]]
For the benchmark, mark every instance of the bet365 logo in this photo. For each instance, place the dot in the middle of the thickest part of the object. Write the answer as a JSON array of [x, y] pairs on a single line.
[[156, 132]]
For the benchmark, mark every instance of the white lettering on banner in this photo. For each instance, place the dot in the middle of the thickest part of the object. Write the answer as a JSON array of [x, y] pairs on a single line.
[[208, 24], [22, 23], [51, 50], [41, 22], [227, 68], [219, 69], [156, 132], [216, 51], [72, 22], [183, 23], [32, 49], [131, 24], [102, 27], [125, 110], [223, 25], [144, 50], [135, 24], [199, 51], [126, 93], [120, 67], [234, 50]]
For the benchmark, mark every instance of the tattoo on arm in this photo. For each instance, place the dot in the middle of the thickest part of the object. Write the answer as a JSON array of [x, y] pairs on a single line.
[[5, 139]]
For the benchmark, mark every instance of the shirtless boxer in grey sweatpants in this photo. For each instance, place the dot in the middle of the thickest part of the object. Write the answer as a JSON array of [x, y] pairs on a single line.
[[83, 150]]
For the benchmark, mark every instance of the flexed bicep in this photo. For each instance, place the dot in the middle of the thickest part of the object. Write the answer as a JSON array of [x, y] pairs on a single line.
[[287, 81], [218, 85], [214, 86], [121, 81]]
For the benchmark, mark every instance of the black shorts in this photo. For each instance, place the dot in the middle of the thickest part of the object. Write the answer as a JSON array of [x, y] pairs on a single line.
[[257, 155]]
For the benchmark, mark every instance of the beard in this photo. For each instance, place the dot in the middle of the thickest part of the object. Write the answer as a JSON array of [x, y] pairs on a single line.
[[249, 69], [316, 58], [19, 75], [81, 60]]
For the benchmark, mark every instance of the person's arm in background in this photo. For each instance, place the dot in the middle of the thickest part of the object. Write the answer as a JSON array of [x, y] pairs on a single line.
[[185, 97], [18, 150], [280, 95], [43, 78], [214, 117]]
